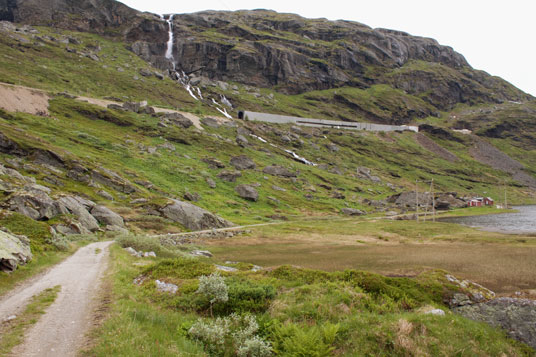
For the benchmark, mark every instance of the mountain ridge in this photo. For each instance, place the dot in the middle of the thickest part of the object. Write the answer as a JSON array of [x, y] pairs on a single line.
[[286, 52]]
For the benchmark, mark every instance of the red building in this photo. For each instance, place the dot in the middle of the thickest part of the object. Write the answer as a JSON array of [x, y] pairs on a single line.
[[488, 201], [481, 201]]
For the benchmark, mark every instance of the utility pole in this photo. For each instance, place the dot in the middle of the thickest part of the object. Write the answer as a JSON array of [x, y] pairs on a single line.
[[433, 199], [417, 199], [505, 201]]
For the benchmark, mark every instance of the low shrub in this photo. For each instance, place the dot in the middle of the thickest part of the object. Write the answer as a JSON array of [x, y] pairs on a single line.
[[235, 335], [179, 268], [246, 296], [148, 244]]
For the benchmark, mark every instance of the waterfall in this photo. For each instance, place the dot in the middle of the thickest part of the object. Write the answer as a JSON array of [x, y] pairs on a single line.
[[226, 101], [169, 49], [183, 78]]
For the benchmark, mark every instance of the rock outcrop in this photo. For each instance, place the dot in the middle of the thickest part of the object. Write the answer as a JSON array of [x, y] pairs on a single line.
[[87, 15], [192, 216], [106, 216], [79, 207], [516, 316], [14, 251]]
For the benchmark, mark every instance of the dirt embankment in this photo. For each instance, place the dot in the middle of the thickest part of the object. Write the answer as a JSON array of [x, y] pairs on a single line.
[[22, 99]]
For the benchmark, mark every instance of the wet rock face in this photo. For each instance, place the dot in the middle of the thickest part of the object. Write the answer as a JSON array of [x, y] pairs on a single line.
[[516, 316]]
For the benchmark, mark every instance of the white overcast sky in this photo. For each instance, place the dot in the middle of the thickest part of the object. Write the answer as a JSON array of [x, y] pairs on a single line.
[[495, 36]]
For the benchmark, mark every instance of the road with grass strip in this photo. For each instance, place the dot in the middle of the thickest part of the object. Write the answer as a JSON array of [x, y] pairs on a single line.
[[61, 330]]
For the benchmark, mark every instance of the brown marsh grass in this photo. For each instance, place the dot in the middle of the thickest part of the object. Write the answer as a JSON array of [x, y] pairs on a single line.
[[503, 263]]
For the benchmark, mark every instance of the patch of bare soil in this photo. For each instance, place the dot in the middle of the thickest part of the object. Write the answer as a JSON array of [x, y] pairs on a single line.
[[488, 154], [22, 99], [431, 145]]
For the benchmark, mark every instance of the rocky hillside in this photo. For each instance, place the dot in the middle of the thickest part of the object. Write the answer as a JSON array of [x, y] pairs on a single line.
[[291, 55], [89, 15], [144, 164]]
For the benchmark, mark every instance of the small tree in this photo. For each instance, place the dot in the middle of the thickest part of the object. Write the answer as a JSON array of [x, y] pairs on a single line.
[[214, 288]]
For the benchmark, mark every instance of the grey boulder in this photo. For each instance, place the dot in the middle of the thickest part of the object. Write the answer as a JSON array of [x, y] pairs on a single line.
[[280, 171], [229, 176], [247, 192], [352, 212], [192, 216], [36, 205], [242, 162], [106, 216], [78, 207], [14, 251]]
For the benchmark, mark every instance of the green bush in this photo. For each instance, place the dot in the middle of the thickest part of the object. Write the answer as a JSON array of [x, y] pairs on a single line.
[[180, 268], [246, 296]]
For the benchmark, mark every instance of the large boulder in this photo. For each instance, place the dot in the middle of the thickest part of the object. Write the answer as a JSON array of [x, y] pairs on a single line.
[[14, 251], [106, 216], [193, 217], [247, 192], [352, 211], [280, 171], [210, 122], [78, 207], [242, 162], [36, 205], [178, 119]]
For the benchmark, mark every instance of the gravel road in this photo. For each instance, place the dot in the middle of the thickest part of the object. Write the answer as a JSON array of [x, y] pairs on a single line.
[[61, 330]]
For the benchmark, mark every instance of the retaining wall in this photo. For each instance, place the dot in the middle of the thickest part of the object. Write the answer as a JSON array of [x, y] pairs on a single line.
[[285, 119]]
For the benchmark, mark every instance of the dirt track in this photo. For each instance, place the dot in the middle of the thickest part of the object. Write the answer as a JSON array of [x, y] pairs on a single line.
[[35, 101], [61, 331]]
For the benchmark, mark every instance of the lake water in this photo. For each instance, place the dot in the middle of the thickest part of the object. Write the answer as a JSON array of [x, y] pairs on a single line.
[[523, 221]]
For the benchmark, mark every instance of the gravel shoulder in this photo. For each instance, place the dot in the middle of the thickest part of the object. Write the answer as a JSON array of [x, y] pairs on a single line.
[[61, 331]]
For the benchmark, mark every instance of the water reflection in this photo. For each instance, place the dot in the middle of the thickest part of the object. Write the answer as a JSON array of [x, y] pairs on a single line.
[[523, 221]]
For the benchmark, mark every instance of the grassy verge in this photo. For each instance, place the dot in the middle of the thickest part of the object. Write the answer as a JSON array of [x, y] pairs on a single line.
[[13, 331], [134, 326]]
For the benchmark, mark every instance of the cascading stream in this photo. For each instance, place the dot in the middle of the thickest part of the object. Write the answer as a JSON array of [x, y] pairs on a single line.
[[169, 49], [182, 77]]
